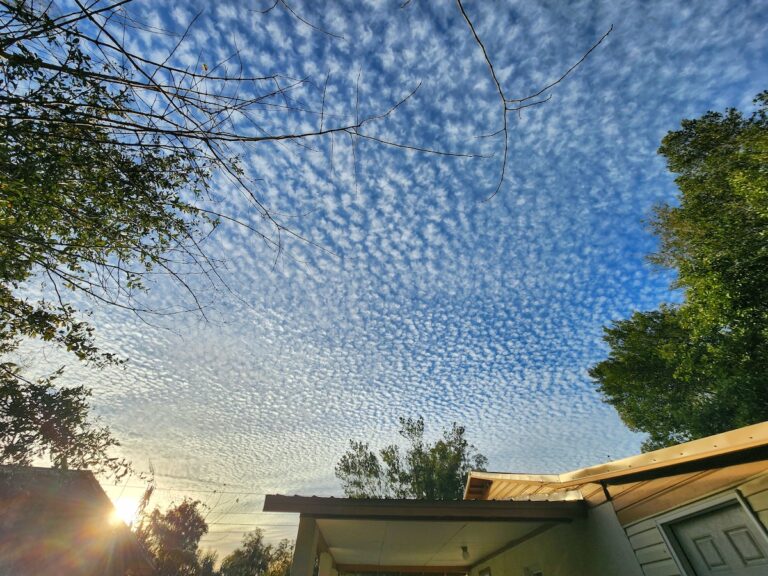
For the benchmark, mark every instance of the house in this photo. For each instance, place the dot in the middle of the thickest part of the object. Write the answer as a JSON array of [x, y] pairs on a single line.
[[60, 522], [697, 508]]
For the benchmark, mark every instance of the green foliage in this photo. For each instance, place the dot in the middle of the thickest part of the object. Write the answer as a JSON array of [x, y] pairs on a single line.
[[90, 202], [82, 207], [39, 420], [207, 563], [654, 376], [172, 540], [255, 558], [423, 471], [687, 371], [717, 238]]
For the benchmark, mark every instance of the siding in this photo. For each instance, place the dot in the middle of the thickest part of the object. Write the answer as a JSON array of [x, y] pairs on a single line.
[[756, 494], [645, 537], [651, 550], [649, 498]]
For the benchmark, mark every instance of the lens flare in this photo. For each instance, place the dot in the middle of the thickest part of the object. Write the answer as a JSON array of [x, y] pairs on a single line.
[[126, 510]]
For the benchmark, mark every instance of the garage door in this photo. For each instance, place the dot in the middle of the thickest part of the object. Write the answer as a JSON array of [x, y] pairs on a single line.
[[723, 542]]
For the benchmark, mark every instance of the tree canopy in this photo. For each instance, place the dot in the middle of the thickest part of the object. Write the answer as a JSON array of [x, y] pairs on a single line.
[[701, 367], [89, 203], [172, 539], [421, 470], [38, 419], [256, 558], [94, 194]]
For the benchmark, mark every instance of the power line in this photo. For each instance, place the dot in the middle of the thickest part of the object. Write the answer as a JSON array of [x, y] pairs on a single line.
[[228, 504], [214, 532], [250, 524], [195, 491], [241, 532], [250, 513]]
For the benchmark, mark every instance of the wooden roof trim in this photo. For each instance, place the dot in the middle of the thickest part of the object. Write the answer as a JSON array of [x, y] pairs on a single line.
[[426, 510], [726, 443], [529, 478], [702, 449]]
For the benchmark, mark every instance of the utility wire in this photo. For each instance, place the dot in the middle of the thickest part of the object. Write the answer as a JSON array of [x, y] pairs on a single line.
[[195, 491]]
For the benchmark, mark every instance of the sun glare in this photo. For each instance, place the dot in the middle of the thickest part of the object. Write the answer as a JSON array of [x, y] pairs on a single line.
[[126, 510]]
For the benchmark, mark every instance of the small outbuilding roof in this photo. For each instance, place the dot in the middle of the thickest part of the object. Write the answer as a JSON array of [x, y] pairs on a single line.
[[748, 444], [502, 510], [61, 522]]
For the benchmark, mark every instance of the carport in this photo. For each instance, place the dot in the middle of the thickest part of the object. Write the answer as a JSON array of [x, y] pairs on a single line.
[[413, 536]]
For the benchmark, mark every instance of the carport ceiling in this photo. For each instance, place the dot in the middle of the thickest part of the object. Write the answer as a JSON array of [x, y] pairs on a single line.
[[358, 545], [418, 535]]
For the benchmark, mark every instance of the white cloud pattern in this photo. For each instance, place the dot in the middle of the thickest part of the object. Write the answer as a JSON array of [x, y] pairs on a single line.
[[441, 304]]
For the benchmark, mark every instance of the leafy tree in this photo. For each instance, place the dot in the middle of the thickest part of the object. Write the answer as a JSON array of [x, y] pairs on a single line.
[[422, 470], [255, 558], [687, 371], [37, 419], [207, 563], [83, 206], [172, 539]]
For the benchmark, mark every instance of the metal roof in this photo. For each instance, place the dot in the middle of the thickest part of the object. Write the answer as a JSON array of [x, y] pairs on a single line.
[[735, 446], [439, 510]]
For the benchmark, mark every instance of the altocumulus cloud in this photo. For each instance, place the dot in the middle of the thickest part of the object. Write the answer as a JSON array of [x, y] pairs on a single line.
[[435, 302]]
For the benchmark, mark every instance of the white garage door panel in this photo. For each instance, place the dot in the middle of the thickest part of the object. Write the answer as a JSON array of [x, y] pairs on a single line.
[[723, 542]]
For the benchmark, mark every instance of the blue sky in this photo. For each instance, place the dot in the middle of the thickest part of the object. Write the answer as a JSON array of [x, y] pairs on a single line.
[[435, 301]]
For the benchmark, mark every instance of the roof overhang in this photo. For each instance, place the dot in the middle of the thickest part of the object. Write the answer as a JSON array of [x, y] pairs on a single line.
[[425, 510], [733, 447], [417, 536]]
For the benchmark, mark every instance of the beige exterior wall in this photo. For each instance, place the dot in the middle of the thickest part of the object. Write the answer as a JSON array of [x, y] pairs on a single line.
[[593, 545], [650, 547]]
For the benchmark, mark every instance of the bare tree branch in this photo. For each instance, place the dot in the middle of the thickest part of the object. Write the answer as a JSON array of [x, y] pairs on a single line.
[[74, 78], [505, 102]]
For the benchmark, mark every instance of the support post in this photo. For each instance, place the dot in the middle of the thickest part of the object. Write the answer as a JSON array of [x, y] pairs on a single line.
[[305, 552], [325, 565]]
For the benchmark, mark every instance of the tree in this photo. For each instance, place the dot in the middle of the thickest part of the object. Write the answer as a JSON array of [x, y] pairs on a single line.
[[423, 471], [172, 539], [82, 208], [255, 558], [701, 367], [38, 419], [91, 200], [207, 563]]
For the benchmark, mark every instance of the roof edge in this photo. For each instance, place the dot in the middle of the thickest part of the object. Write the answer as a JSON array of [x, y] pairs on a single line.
[[738, 440], [383, 509], [709, 447]]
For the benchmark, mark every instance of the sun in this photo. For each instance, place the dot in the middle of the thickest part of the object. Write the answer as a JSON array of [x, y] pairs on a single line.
[[126, 510]]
